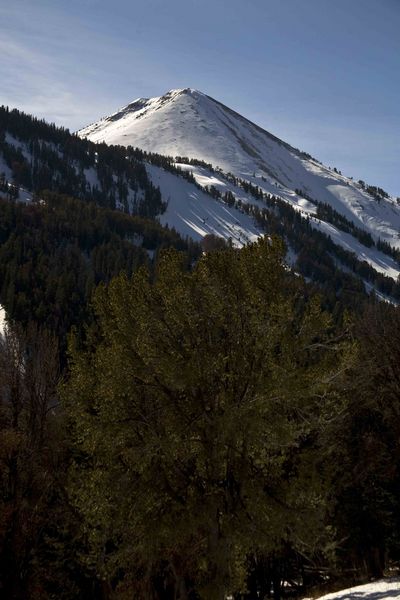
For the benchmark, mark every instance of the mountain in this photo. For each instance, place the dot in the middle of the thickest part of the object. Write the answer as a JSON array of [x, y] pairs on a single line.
[[202, 407], [345, 247], [60, 232], [36, 156], [188, 123]]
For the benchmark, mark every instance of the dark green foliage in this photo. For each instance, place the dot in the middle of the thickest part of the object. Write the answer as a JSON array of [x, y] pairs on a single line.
[[55, 252], [45, 157], [366, 455], [221, 436], [192, 419]]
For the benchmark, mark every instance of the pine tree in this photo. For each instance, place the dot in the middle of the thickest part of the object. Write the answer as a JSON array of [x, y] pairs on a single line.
[[189, 416]]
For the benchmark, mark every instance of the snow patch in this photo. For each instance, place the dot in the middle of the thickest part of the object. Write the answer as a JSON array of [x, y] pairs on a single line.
[[3, 321], [384, 589], [194, 213]]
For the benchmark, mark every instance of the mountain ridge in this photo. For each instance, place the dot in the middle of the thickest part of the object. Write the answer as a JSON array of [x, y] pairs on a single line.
[[196, 199], [188, 123], [141, 103]]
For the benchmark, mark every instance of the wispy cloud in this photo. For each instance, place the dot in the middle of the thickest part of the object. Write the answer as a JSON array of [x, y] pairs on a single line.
[[322, 86], [47, 65], [29, 81]]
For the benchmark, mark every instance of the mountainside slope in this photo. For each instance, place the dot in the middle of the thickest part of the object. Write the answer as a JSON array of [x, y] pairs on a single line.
[[194, 213], [196, 199], [188, 123], [37, 156]]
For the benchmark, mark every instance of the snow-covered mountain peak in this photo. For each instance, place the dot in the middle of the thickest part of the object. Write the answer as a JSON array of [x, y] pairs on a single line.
[[188, 123], [185, 122], [141, 107]]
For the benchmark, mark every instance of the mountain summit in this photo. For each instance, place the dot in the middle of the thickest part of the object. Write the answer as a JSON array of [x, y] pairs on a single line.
[[188, 123], [266, 186]]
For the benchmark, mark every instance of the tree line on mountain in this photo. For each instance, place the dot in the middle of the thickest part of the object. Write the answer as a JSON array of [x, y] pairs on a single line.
[[338, 271], [54, 253], [54, 159], [318, 257], [45, 157], [324, 212], [375, 191], [216, 432]]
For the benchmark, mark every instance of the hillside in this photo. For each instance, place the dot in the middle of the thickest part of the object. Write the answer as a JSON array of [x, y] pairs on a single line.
[[188, 123], [35, 156], [195, 198]]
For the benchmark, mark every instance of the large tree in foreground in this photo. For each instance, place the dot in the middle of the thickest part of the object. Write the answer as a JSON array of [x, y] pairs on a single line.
[[192, 416]]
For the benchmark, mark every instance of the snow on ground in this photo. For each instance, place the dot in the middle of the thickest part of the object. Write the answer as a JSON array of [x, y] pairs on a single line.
[[384, 589], [24, 195], [13, 141], [378, 260], [194, 213], [207, 178], [189, 123], [2, 320], [91, 177]]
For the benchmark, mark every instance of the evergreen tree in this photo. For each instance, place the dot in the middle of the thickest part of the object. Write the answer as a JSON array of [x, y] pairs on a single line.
[[191, 417], [365, 449], [29, 450]]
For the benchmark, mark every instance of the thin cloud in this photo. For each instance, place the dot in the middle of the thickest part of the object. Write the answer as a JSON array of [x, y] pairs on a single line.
[[30, 81], [52, 64]]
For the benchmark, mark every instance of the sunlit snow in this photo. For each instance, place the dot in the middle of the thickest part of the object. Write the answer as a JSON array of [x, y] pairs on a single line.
[[189, 123], [194, 213], [388, 589], [2, 320]]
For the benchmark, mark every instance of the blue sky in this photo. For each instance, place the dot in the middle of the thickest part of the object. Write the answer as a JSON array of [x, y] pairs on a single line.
[[324, 75]]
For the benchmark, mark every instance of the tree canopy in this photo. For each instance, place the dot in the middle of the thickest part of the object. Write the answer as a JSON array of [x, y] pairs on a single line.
[[191, 419]]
